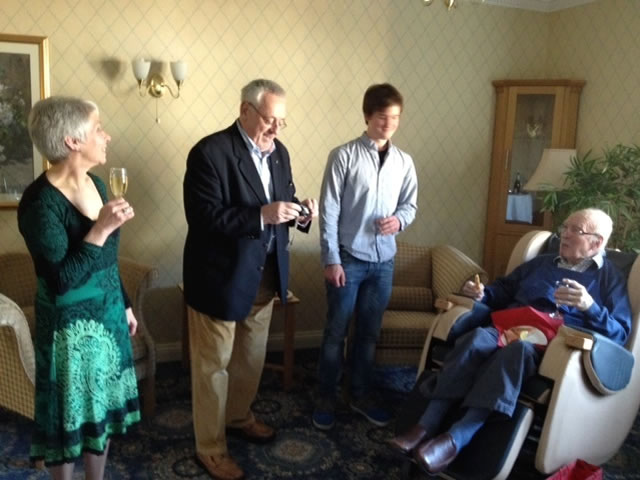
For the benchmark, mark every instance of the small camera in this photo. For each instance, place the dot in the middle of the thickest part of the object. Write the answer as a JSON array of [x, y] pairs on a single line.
[[304, 210]]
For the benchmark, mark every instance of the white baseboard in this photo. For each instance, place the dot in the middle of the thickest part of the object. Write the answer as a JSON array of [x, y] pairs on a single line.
[[172, 351]]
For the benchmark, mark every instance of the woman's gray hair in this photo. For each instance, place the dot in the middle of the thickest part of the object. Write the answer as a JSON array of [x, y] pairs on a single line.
[[255, 90], [53, 119]]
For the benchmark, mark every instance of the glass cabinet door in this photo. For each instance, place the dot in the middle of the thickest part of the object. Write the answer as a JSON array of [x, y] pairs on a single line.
[[532, 133], [531, 115]]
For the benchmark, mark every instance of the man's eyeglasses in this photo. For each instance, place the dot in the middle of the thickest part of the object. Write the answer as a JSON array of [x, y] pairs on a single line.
[[280, 122], [575, 230]]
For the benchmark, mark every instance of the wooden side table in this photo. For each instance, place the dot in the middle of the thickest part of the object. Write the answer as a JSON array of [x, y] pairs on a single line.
[[288, 350]]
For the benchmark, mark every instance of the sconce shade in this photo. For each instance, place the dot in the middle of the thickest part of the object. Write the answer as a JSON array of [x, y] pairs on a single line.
[[141, 68], [179, 71], [549, 174]]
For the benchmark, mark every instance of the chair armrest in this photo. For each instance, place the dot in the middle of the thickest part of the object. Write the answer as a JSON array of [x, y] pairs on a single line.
[[465, 314], [138, 279], [607, 364], [451, 269], [12, 317]]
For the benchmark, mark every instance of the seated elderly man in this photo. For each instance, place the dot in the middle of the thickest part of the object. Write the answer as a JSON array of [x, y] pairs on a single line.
[[482, 377]]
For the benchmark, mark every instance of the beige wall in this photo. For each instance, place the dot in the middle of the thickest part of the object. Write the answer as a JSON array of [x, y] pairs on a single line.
[[325, 53], [600, 43]]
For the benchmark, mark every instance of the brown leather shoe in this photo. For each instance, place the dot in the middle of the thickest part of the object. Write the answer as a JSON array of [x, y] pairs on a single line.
[[220, 467], [256, 432], [406, 442], [436, 454]]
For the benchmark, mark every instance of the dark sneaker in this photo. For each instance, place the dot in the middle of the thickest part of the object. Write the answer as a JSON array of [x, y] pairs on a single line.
[[324, 414], [372, 412]]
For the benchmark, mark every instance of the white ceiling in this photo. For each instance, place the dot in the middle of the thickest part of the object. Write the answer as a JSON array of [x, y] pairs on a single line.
[[539, 5]]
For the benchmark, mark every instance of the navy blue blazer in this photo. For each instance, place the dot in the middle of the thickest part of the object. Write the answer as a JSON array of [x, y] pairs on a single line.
[[225, 249]]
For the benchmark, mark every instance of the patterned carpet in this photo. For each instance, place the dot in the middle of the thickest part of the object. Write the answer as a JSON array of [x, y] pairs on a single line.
[[355, 449]]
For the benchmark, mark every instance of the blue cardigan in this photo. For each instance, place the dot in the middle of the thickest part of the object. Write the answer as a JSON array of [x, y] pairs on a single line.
[[533, 283]]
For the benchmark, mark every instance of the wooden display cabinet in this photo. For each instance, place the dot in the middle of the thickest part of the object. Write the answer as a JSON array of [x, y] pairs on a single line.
[[531, 115]]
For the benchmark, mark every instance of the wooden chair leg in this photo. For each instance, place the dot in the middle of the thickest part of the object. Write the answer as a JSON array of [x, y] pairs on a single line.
[[149, 397]]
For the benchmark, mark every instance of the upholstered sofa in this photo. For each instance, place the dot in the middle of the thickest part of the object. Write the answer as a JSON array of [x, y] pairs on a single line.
[[422, 275]]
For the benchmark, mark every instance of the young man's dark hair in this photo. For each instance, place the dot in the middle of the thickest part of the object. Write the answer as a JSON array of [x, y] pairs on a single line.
[[378, 97]]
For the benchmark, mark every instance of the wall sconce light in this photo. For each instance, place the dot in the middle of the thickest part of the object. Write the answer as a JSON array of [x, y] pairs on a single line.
[[450, 4], [447, 3], [155, 84]]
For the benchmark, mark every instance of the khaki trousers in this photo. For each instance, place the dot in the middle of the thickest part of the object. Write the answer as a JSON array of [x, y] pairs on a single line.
[[227, 359]]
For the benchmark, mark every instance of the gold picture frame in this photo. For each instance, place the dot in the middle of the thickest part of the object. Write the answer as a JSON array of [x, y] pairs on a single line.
[[24, 79]]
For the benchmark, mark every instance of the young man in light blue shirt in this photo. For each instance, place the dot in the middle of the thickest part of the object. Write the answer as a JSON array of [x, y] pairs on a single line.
[[369, 194]]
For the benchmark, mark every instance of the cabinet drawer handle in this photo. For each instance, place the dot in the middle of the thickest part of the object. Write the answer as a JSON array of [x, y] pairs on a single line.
[[506, 159]]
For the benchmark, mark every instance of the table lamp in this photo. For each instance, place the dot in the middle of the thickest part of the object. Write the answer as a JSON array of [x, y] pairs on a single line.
[[550, 173]]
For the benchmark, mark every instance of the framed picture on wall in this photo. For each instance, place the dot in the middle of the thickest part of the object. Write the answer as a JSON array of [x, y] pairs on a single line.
[[24, 79]]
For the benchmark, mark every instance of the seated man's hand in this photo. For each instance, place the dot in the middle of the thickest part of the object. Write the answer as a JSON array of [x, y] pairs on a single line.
[[573, 294], [473, 290]]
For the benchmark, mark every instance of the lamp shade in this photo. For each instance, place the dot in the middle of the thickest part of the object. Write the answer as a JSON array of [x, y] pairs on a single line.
[[549, 174], [141, 68], [179, 71]]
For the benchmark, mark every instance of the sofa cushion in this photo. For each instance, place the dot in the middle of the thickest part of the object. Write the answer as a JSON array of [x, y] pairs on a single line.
[[411, 298], [405, 328], [412, 266]]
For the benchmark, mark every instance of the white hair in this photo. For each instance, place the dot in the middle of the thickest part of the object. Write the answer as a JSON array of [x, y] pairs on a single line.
[[255, 90], [598, 221], [53, 119]]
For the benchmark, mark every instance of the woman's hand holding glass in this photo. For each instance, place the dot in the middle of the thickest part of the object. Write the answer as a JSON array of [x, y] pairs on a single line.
[[112, 215]]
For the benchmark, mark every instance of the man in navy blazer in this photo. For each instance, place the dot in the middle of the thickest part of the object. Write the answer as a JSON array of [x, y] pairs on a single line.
[[239, 200]]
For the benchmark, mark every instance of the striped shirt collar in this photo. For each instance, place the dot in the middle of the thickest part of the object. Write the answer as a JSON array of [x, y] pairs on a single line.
[[583, 265]]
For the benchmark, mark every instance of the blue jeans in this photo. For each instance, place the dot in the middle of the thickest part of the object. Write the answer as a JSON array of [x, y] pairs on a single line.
[[366, 293], [483, 374]]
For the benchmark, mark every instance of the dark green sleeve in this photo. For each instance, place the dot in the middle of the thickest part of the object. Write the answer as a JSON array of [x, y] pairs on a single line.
[[42, 225]]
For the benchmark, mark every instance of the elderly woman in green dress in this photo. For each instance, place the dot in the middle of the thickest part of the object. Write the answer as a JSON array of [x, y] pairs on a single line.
[[85, 379]]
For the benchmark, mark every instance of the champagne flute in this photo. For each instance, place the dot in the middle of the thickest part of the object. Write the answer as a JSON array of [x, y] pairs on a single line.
[[118, 181], [558, 313]]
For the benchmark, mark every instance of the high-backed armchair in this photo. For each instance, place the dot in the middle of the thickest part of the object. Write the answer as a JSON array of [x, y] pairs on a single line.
[[17, 324], [421, 275], [583, 401]]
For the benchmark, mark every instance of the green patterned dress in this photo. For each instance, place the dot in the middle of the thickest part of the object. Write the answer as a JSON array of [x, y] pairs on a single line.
[[85, 378]]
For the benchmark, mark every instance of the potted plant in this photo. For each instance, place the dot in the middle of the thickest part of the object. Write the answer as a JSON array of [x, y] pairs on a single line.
[[610, 182]]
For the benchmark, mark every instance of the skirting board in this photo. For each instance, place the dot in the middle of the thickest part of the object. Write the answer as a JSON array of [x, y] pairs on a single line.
[[172, 352]]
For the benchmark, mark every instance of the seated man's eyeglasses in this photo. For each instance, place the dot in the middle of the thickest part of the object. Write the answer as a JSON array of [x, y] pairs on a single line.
[[280, 122], [575, 230]]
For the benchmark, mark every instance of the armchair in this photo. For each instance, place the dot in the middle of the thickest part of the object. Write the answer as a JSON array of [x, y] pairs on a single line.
[[582, 376], [17, 323], [421, 275]]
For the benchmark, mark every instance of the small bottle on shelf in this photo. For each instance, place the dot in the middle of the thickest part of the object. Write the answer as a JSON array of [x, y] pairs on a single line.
[[517, 185]]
